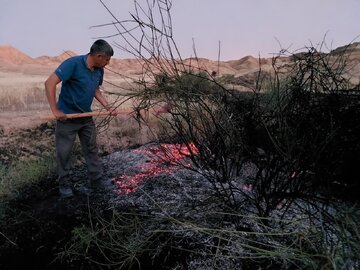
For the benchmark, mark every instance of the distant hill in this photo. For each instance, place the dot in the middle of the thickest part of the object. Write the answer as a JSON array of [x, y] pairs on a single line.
[[11, 59], [12, 56], [47, 60], [353, 48]]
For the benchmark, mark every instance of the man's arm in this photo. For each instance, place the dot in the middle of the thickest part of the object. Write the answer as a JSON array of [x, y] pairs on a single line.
[[100, 97], [50, 90]]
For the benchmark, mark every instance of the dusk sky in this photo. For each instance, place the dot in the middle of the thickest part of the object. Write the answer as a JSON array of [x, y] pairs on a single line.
[[243, 27]]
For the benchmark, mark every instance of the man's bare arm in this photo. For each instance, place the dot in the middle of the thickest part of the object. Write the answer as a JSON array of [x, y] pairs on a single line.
[[100, 97], [50, 90]]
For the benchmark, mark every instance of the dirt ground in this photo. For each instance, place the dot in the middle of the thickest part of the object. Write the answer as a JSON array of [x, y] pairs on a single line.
[[25, 130], [37, 224]]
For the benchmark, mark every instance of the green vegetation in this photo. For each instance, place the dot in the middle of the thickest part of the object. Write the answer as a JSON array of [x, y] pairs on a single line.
[[24, 173]]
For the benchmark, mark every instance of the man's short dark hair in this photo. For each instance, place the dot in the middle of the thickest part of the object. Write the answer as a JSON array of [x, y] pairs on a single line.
[[102, 47]]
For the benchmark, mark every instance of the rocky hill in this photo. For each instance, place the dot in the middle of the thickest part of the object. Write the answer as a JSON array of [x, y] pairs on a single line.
[[13, 60], [10, 56]]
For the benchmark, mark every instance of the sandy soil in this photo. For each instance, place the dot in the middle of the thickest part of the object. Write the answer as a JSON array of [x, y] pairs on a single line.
[[11, 121]]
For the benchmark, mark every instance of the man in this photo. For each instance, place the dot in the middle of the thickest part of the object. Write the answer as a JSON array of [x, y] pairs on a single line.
[[81, 77]]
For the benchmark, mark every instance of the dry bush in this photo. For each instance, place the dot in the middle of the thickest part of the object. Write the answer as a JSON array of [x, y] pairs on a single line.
[[271, 155]]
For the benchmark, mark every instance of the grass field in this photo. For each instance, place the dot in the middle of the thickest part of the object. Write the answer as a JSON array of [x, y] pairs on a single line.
[[20, 92], [23, 100]]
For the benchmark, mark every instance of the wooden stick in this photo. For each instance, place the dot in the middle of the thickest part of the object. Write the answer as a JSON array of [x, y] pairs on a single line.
[[50, 117]]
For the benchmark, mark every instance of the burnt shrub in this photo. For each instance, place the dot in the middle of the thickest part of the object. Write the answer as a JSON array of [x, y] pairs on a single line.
[[296, 127]]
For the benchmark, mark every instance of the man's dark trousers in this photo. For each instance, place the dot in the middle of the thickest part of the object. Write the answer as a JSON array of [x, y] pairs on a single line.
[[65, 137]]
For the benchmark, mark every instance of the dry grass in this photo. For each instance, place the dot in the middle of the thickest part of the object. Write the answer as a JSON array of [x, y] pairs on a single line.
[[26, 92], [22, 98], [21, 92]]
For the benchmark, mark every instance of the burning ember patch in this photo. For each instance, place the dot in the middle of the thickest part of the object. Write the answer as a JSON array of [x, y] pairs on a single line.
[[163, 159]]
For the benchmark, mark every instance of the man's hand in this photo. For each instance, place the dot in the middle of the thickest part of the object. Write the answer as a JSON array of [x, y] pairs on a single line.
[[59, 115]]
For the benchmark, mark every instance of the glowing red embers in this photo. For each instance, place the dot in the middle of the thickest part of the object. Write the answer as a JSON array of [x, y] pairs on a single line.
[[163, 159]]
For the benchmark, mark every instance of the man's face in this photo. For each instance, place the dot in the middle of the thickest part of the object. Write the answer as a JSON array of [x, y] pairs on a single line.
[[101, 60]]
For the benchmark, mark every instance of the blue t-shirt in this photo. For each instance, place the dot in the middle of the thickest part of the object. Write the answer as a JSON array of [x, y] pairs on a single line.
[[79, 84]]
